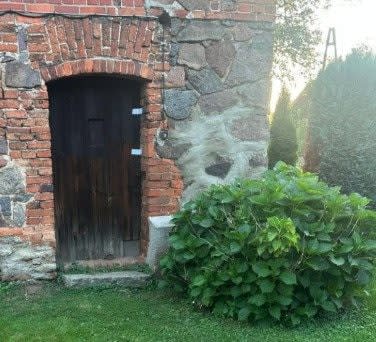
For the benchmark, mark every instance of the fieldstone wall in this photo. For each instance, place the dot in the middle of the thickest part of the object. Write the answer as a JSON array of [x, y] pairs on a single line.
[[217, 100], [19, 260]]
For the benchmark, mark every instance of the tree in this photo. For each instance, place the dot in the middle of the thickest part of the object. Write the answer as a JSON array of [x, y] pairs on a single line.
[[342, 124], [283, 142], [297, 35]]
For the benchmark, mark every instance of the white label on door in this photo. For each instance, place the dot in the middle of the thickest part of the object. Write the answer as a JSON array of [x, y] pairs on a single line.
[[136, 152], [137, 111]]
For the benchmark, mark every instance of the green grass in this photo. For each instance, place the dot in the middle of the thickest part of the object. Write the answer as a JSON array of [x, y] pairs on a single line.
[[52, 313]]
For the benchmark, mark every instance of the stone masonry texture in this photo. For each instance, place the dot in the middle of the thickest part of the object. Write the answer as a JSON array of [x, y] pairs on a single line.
[[206, 83]]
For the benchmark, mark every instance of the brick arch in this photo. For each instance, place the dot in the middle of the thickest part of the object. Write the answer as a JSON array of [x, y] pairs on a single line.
[[61, 47], [94, 65]]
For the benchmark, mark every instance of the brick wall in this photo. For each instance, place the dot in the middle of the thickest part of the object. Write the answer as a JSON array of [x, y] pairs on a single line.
[[119, 37], [258, 10]]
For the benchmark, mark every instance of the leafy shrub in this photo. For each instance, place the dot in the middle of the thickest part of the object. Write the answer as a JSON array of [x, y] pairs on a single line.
[[283, 141], [286, 246]]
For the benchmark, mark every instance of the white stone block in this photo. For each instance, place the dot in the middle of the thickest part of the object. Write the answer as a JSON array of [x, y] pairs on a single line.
[[159, 230]]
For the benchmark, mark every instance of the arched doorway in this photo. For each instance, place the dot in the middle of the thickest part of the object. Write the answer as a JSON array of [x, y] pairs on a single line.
[[97, 179]]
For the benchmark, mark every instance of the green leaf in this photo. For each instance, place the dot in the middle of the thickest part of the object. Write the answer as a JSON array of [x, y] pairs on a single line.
[[304, 280], [295, 319], [244, 229], [271, 235], [243, 314], [176, 242], [195, 292], [318, 264], [237, 280], [242, 267], [275, 311], [288, 277], [258, 300], [198, 280], [284, 300], [188, 256], [261, 269], [206, 223], [337, 261], [324, 247], [329, 306], [318, 294], [369, 245], [310, 310], [235, 247], [266, 285], [363, 277], [213, 211]]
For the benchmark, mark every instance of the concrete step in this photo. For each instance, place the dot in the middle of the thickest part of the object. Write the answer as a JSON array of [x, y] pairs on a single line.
[[132, 279]]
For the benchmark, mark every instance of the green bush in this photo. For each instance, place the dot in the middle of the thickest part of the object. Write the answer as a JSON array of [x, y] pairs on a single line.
[[286, 246]]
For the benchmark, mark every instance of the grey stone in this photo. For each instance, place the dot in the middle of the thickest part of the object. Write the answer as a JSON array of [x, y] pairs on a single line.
[[159, 230], [256, 93], [23, 198], [19, 260], [252, 128], [228, 5], [3, 147], [22, 39], [220, 55], [174, 52], [192, 5], [197, 31], [171, 149], [179, 103], [132, 279], [176, 26], [11, 181], [205, 81], [19, 214], [220, 168], [218, 102], [252, 62], [242, 32], [175, 77], [5, 206], [20, 75], [47, 188], [192, 55], [5, 57], [258, 159]]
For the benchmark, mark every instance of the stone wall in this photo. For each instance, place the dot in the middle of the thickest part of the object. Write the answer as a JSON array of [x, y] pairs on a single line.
[[217, 101], [206, 94], [20, 260]]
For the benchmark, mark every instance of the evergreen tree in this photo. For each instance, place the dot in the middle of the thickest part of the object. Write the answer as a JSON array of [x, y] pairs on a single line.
[[283, 141], [342, 124]]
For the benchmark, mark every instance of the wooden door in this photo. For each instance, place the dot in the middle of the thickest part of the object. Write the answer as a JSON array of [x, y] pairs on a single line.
[[96, 179]]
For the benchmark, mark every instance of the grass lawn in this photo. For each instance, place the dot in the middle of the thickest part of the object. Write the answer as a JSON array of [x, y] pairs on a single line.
[[52, 313]]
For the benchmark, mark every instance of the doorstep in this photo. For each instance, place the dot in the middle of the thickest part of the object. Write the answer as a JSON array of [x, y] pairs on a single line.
[[132, 279]]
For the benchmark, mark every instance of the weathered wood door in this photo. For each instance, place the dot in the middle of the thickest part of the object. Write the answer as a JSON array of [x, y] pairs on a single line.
[[96, 179]]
